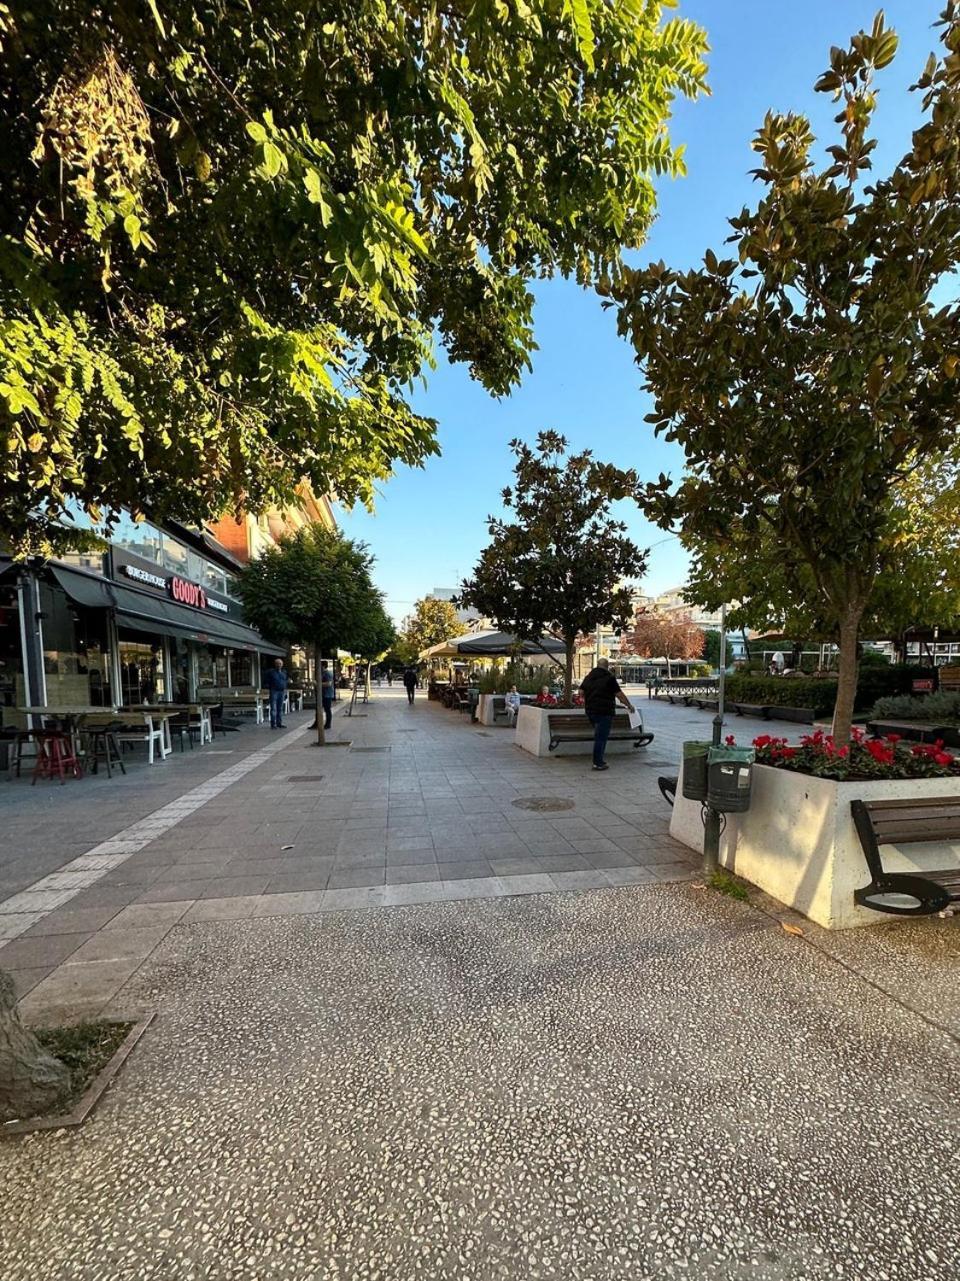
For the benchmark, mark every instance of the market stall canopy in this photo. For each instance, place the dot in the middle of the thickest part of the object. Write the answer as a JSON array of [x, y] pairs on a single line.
[[492, 645]]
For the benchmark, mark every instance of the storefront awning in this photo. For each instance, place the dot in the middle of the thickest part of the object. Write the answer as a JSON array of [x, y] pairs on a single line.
[[84, 589], [143, 613]]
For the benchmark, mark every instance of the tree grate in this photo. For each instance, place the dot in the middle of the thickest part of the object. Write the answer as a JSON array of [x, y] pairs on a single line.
[[369, 749], [305, 778]]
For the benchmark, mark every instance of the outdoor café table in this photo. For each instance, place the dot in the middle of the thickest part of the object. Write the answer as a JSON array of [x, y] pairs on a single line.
[[198, 711], [257, 701], [71, 716], [162, 713]]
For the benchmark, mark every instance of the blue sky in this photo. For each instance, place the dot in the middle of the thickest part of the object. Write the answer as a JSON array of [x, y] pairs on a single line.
[[430, 524]]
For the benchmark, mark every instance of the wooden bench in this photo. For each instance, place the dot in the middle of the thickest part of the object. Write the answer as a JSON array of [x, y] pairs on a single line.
[[751, 709], [570, 727], [907, 823]]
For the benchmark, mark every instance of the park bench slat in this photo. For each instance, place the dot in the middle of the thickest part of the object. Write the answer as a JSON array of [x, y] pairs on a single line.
[[907, 822]]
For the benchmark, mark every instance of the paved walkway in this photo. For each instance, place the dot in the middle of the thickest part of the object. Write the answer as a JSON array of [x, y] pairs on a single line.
[[420, 807], [636, 1079]]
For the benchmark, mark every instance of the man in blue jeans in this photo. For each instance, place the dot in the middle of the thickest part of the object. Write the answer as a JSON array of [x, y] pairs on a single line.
[[327, 692], [276, 683], [601, 693]]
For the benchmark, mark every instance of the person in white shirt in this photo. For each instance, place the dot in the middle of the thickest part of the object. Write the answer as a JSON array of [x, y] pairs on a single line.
[[512, 700]]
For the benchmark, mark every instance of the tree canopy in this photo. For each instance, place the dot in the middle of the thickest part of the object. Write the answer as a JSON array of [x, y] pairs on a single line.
[[316, 586], [229, 233], [561, 565], [669, 636], [431, 622], [809, 375]]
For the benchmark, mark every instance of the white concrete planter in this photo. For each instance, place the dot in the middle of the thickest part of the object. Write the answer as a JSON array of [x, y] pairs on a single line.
[[533, 734], [485, 710], [798, 842]]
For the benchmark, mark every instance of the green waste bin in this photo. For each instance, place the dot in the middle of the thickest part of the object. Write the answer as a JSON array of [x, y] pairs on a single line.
[[729, 778], [695, 771]]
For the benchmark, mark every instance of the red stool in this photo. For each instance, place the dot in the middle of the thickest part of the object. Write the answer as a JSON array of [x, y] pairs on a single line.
[[55, 755]]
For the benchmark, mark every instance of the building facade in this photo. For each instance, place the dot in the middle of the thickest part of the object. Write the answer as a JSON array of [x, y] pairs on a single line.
[[154, 618]]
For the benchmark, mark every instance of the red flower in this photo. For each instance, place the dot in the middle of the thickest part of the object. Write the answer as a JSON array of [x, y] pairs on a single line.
[[763, 740], [893, 738], [943, 758], [731, 740]]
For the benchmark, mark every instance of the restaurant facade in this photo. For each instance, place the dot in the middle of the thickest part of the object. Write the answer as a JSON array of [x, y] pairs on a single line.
[[153, 619]]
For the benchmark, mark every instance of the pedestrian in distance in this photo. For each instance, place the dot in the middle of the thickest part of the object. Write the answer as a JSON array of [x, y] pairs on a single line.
[[327, 692], [410, 683], [276, 681], [601, 692]]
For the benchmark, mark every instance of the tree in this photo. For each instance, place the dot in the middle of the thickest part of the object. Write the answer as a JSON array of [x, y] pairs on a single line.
[[711, 647], [918, 567], [669, 636], [809, 374], [315, 585], [560, 566], [31, 1079], [431, 622], [229, 232]]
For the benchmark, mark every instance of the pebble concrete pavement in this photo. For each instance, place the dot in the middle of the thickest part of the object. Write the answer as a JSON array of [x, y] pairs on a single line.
[[546, 1051]]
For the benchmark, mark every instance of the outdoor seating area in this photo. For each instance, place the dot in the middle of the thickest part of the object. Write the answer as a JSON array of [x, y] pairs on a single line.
[[70, 742]]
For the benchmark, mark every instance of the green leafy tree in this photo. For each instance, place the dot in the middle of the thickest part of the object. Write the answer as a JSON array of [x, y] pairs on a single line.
[[431, 622], [560, 564], [315, 586], [807, 375], [711, 647], [229, 233]]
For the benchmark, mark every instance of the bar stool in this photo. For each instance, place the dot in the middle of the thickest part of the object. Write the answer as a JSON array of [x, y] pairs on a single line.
[[102, 741], [55, 755]]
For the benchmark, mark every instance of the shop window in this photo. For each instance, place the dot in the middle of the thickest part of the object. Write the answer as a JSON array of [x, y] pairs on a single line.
[[76, 654], [142, 675], [241, 667], [12, 687], [175, 556], [214, 579]]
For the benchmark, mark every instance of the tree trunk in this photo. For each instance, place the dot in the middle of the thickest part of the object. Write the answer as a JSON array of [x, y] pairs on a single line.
[[849, 667], [30, 1078], [568, 674], [321, 732]]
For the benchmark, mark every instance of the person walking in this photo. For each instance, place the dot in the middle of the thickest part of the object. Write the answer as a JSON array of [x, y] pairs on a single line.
[[276, 681], [601, 692], [327, 692], [410, 683]]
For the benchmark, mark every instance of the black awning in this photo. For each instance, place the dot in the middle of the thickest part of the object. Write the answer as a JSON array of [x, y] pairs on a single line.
[[84, 589], [143, 612]]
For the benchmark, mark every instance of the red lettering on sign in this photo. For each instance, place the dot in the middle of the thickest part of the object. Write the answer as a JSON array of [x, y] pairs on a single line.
[[188, 593]]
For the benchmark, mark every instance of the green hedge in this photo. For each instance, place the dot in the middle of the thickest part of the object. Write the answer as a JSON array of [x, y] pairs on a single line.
[[780, 691], [818, 692]]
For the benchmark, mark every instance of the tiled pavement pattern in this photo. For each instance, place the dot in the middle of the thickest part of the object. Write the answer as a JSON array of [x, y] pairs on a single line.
[[638, 1084], [419, 808]]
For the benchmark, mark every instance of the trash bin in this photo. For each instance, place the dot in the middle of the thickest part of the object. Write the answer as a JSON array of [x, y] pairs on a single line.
[[695, 771], [729, 777]]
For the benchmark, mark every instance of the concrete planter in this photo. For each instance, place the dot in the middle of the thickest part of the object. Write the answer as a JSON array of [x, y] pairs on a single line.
[[533, 734], [485, 709], [798, 843]]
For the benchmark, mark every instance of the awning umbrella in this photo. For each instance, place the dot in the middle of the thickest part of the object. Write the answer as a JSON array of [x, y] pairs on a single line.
[[493, 645]]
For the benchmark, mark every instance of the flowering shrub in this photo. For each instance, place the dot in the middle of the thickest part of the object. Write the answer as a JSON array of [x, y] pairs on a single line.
[[861, 758], [578, 700]]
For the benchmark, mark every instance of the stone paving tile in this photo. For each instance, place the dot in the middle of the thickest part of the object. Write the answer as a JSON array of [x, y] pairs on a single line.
[[172, 892], [26, 980], [71, 920], [349, 878], [295, 904], [345, 899], [467, 870], [233, 886], [481, 887], [121, 944], [591, 880], [530, 884], [412, 873], [149, 915], [106, 896], [628, 875], [562, 863], [515, 866], [234, 908], [76, 989], [294, 882], [47, 950]]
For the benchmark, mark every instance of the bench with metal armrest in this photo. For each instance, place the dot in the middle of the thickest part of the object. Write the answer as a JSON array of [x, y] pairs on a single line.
[[907, 823]]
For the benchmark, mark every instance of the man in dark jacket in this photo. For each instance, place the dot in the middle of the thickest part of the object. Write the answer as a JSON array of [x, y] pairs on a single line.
[[276, 682], [601, 693]]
